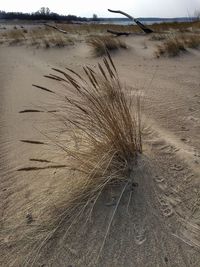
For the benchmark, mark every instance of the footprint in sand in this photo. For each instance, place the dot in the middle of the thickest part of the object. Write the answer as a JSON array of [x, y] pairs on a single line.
[[194, 119], [197, 154], [159, 179], [185, 140], [185, 129], [160, 183], [140, 235], [176, 167], [166, 208]]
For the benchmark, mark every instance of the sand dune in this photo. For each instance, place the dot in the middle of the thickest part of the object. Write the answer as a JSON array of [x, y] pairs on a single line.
[[158, 222]]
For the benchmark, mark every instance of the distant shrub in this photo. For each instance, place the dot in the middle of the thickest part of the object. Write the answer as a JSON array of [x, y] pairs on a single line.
[[15, 36], [158, 37], [101, 44]]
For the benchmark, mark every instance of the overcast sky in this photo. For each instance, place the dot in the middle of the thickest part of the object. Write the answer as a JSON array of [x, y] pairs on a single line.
[[137, 8]]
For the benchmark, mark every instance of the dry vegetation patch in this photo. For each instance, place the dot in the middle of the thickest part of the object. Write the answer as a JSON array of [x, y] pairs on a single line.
[[100, 140], [176, 26], [192, 41], [174, 45], [171, 47], [38, 36], [101, 44]]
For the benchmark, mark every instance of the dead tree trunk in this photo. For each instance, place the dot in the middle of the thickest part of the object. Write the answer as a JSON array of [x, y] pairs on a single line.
[[119, 33], [143, 27]]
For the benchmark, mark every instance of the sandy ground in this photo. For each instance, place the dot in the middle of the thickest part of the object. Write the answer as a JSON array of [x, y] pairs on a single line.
[[159, 224]]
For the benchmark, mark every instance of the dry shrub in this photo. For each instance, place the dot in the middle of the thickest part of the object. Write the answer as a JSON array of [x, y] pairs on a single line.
[[56, 40], [101, 44], [103, 123], [171, 47], [102, 126], [158, 37], [52, 39], [192, 41], [15, 36]]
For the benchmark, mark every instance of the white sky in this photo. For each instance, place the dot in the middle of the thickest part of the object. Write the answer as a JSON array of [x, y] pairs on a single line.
[[137, 8]]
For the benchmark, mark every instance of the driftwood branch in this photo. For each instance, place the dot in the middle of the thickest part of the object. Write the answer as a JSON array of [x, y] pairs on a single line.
[[119, 33], [56, 28], [121, 12], [142, 26]]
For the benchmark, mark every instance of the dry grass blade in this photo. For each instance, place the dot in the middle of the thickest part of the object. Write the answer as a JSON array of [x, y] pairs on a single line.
[[40, 160], [43, 88], [33, 142], [42, 168], [30, 111], [52, 77]]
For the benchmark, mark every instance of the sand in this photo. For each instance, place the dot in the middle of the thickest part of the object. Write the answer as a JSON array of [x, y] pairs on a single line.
[[159, 223]]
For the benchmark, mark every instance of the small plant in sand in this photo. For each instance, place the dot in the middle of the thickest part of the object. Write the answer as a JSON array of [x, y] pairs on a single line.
[[101, 44], [102, 125]]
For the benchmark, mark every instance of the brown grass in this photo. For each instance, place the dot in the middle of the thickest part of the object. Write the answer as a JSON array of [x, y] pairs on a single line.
[[21, 35], [102, 125], [158, 37], [192, 41], [173, 46], [40, 37], [48, 38], [15, 36], [101, 44], [177, 26]]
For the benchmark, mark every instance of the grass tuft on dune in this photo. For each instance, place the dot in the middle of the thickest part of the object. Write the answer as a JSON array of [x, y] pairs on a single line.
[[102, 125], [174, 45], [101, 44]]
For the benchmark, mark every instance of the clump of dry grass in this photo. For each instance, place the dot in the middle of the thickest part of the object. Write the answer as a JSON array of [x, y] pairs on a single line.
[[103, 122], [171, 47], [174, 45], [48, 38], [192, 41], [14, 36], [158, 37], [101, 44], [102, 128]]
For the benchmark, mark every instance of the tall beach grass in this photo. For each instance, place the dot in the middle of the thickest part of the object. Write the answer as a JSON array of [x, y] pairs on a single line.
[[100, 125]]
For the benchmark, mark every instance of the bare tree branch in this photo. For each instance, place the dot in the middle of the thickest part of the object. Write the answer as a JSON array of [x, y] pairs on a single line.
[[121, 12], [56, 28], [142, 26]]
